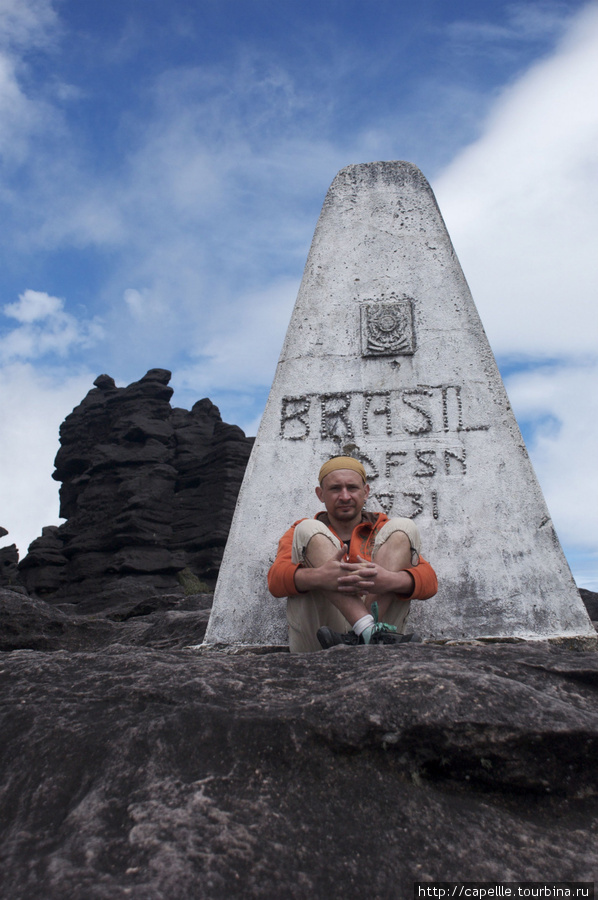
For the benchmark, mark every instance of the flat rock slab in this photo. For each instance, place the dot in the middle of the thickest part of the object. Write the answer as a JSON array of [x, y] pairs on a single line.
[[164, 621], [353, 773], [386, 359]]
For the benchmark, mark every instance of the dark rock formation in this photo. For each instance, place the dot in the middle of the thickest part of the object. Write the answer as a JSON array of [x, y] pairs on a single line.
[[590, 598], [163, 773], [9, 566], [147, 491], [165, 620]]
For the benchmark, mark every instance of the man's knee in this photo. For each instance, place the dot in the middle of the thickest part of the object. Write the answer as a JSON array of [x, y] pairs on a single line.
[[308, 530], [402, 533]]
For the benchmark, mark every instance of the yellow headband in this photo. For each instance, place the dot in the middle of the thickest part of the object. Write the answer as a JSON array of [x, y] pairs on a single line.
[[341, 462]]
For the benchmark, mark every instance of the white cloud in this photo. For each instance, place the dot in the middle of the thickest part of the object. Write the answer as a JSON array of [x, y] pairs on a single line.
[[526, 21], [33, 305], [23, 24], [521, 205], [26, 22], [143, 304], [562, 402], [242, 350], [19, 116], [46, 328], [32, 406]]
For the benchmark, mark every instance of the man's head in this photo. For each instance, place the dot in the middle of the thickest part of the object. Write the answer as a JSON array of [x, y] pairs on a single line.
[[343, 488], [341, 462]]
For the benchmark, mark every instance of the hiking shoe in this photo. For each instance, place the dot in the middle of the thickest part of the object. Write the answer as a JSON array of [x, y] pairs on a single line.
[[329, 638], [382, 634]]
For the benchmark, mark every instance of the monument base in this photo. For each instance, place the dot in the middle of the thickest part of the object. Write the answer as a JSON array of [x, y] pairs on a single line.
[[240, 649], [580, 642]]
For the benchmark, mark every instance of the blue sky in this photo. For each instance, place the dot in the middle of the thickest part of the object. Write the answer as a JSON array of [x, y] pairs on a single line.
[[163, 165]]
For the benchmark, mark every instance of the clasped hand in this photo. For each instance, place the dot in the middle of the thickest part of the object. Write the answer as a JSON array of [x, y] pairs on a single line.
[[338, 575], [363, 576]]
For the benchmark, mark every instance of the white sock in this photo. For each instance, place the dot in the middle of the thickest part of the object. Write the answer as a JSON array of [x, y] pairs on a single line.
[[362, 624]]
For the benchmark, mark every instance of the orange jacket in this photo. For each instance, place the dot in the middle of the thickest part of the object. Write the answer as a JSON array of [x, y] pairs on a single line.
[[281, 577]]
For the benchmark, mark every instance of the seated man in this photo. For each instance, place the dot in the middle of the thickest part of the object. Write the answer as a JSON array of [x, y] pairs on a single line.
[[348, 569]]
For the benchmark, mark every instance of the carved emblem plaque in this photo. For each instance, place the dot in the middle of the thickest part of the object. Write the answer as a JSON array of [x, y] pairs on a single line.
[[387, 328]]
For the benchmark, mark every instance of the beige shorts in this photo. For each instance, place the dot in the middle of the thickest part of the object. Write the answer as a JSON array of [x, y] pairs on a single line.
[[306, 529], [310, 611]]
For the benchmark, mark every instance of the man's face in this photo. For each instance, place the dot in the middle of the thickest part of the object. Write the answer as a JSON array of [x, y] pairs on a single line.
[[343, 493]]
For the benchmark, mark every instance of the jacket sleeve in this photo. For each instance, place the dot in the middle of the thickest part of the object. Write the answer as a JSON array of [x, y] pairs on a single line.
[[426, 583], [281, 576]]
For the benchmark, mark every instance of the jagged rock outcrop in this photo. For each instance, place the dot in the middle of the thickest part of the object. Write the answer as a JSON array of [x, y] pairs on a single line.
[[147, 490], [590, 599], [9, 566], [160, 620], [149, 771]]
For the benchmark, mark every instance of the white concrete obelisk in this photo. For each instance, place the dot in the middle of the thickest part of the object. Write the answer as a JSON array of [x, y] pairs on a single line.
[[386, 359]]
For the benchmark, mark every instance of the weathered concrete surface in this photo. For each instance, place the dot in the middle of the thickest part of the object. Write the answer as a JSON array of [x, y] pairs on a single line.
[[385, 354], [159, 774]]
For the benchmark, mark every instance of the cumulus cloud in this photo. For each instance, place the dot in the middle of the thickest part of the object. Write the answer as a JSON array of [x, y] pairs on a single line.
[[34, 305], [205, 210], [18, 114], [23, 24], [143, 304], [33, 403], [45, 328], [559, 403], [26, 22], [521, 204], [524, 22], [235, 362], [251, 343]]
